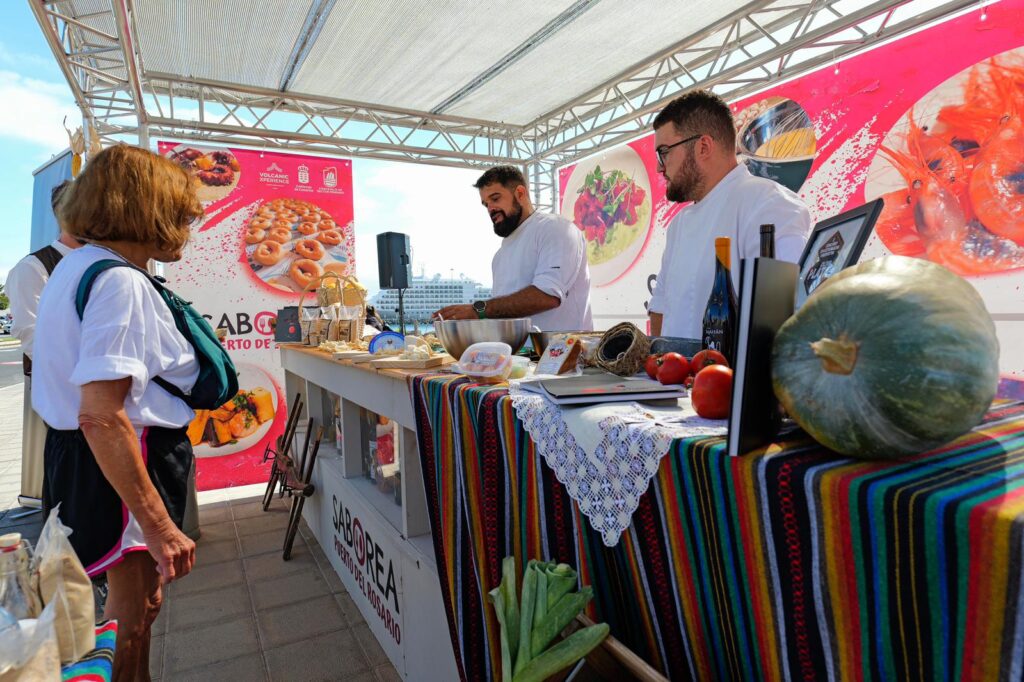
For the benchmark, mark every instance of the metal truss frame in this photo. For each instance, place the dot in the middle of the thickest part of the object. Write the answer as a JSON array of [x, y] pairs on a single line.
[[761, 44], [269, 118], [100, 66]]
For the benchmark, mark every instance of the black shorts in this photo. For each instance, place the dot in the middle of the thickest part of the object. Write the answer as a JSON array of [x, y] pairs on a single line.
[[104, 529]]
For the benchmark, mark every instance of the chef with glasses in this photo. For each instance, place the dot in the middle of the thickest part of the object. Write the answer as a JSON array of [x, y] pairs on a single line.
[[695, 142]]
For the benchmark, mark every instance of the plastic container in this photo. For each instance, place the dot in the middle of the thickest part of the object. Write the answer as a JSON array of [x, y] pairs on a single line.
[[520, 367], [488, 362], [14, 577]]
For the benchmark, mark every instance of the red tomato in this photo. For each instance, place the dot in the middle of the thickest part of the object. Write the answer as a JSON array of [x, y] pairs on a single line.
[[674, 369], [712, 392], [706, 358], [651, 366]]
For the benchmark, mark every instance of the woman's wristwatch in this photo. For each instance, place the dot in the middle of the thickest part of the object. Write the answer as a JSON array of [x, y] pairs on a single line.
[[481, 309]]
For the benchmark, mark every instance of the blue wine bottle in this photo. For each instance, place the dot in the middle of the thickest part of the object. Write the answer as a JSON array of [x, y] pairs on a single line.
[[722, 313]]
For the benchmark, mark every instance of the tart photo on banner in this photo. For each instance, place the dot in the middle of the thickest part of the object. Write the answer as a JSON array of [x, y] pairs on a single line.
[[216, 171]]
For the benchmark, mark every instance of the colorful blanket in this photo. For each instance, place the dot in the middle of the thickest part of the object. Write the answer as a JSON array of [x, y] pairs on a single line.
[[98, 664], [783, 564]]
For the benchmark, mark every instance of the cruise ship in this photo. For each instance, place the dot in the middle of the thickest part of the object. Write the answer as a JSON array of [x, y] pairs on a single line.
[[425, 295]]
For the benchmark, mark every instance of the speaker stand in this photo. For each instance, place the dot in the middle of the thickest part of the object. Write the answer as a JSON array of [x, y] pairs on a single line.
[[401, 312]]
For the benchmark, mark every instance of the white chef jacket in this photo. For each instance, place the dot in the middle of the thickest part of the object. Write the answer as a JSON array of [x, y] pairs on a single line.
[[25, 284], [550, 253], [126, 331], [736, 208]]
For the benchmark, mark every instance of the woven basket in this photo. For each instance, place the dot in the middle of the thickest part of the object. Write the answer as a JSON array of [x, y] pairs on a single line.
[[623, 349], [332, 288]]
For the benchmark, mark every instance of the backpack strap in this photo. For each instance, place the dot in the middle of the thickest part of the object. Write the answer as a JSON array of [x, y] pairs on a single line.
[[82, 297], [49, 257]]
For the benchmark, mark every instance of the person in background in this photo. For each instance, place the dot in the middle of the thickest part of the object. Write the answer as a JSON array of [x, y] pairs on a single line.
[[374, 320], [24, 286], [540, 270], [117, 455], [695, 142]]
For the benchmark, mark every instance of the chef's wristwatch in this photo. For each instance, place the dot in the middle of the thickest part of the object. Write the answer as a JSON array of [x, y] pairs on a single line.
[[481, 309]]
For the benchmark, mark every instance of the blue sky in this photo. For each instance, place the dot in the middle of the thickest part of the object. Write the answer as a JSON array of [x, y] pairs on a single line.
[[436, 206]]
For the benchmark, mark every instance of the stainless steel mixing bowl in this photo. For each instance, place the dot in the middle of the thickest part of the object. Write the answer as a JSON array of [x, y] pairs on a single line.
[[458, 335]]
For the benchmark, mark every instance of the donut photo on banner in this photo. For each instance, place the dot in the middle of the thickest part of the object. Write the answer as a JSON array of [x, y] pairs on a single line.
[[289, 243], [216, 171]]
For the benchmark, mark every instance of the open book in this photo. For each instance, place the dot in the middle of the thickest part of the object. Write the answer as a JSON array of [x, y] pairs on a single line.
[[600, 388]]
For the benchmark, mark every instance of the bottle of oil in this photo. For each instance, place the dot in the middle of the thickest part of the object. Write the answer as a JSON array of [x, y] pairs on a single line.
[[768, 241], [721, 315]]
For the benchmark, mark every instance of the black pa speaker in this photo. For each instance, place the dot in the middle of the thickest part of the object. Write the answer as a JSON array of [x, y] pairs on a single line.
[[394, 262]]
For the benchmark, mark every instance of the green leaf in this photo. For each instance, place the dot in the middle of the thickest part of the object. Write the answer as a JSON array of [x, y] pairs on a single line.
[[564, 654], [559, 616], [528, 601], [497, 600], [508, 589]]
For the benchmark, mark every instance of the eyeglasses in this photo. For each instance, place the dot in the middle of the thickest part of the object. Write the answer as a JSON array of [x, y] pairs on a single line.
[[663, 150]]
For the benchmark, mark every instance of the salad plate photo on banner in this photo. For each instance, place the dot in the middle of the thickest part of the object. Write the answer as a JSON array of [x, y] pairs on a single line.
[[609, 199]]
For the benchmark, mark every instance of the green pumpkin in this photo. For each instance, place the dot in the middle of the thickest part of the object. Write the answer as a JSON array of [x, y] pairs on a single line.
[[888, 358]]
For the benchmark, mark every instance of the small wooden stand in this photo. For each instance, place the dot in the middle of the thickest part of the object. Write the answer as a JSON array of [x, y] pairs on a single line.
[[611, 660]]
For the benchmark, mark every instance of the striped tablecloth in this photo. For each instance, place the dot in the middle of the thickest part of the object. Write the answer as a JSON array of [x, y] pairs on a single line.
[[792, 563], [98, 664]]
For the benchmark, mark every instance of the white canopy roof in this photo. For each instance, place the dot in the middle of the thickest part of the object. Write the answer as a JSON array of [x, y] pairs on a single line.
[[458, 82]]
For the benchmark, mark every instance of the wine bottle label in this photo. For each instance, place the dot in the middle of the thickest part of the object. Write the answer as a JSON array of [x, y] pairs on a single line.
[[714, 339]]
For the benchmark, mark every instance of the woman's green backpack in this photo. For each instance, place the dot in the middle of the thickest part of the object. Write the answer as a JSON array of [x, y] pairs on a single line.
[[217, 382]]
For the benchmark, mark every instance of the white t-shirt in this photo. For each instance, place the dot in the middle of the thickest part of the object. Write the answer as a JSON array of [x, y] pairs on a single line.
[[24, 285], [736, 208], [550, 253], [126, 331]]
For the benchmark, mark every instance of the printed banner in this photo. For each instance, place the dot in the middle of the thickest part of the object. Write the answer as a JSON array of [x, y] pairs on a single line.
[[274, 223], [367, 560], [937, 131]]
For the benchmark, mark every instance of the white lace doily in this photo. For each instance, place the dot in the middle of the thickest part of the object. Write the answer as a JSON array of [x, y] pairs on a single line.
[[606, 455]]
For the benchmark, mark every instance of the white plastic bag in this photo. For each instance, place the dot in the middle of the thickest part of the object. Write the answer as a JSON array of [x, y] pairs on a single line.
[[62, 582], [28, 651]]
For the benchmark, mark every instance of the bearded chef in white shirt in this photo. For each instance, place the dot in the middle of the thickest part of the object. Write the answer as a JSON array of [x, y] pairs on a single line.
[[695, 141], [540, 271]]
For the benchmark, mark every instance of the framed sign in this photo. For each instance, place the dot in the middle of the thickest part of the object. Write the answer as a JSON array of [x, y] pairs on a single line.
[[835, 244]]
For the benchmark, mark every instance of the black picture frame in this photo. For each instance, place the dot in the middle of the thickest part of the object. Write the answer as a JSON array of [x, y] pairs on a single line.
[[853, 228]]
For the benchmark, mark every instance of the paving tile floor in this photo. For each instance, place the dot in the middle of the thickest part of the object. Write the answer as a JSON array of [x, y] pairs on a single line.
[[245, 613]]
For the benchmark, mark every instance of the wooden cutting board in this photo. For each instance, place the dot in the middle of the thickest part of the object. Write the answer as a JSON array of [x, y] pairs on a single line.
[[354, 357], [349, 354], [362, 358], [395, 363]]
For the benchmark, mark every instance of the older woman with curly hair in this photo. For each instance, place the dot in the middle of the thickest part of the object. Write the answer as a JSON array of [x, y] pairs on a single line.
[[117, 457]]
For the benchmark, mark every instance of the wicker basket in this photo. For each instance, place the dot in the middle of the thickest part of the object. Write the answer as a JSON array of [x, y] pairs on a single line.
[[332, 288], [623, 349]]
